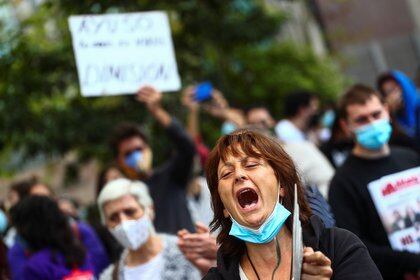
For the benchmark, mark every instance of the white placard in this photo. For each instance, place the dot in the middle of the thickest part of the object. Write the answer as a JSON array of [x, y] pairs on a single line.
[[118, 53], [397, 200]]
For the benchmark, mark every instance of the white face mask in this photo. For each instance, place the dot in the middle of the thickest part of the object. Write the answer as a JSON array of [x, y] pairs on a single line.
[[132, 234]]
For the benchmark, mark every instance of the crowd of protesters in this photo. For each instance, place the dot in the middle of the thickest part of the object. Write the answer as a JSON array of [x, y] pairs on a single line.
[[214, 214]]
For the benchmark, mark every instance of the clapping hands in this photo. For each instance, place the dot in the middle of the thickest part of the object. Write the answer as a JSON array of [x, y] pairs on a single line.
[[199, 248]]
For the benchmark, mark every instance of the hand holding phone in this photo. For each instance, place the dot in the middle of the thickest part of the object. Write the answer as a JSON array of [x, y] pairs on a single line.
[[203, 91]]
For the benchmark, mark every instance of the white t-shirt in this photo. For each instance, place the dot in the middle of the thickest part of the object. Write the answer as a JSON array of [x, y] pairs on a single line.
[[287, 132], [200, 209], [314, 168], [242, 274], [150, 270], [10, 237]]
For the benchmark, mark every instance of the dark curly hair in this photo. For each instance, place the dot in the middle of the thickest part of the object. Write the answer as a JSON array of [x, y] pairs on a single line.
[[41, 224], [23, 188], [296, 100], [258, 145], [125, 131]]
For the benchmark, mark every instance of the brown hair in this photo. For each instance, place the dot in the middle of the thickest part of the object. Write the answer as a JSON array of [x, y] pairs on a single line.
[[382, 79], [257, 145], [24, 188], [357, 94], [124, 131]]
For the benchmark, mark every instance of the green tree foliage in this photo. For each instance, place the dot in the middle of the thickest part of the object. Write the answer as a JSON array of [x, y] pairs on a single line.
[[231, 43]]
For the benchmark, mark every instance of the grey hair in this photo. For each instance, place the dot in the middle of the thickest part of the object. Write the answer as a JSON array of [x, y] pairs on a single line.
[[120, 187]]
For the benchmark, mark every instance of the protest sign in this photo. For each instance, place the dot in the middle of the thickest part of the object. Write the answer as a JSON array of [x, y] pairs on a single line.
[[397, 200], [118, 53]]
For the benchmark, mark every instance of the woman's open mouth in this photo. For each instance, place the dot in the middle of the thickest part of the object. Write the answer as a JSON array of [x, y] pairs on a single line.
[[247, 198]]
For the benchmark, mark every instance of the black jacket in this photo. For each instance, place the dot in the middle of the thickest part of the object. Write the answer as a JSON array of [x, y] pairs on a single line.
[[355, 210], [350, 258], [169, 182]]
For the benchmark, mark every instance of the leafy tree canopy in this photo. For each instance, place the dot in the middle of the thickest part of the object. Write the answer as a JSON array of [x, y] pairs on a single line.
[[232, 43]]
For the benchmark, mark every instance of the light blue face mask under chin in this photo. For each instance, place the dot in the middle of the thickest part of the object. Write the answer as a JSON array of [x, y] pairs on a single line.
[[328, 118], [266, 232], [3, 222]]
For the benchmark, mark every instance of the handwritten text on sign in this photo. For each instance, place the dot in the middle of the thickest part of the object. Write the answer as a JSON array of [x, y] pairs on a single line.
[[117, 53]]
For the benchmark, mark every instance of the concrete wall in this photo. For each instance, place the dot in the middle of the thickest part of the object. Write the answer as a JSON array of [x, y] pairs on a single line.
[[301, 26], [373, 36]]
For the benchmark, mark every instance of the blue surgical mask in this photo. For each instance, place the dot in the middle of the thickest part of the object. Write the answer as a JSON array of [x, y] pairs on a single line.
[[266, 232], [133, 159], [328, 118], [374, 135], [3, 222], [228, 127]]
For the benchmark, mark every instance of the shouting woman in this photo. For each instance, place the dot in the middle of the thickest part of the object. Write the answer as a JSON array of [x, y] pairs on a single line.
[[251, 180]]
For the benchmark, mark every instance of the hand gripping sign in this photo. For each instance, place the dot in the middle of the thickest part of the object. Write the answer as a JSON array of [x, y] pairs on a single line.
[[118, 53], [397, 201]]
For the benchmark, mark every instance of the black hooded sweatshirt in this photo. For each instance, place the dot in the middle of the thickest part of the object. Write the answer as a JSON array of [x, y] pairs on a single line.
[[349, 257]]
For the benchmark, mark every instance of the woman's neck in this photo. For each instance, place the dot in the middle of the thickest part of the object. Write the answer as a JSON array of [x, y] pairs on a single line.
[[264, 257], [145, 253]]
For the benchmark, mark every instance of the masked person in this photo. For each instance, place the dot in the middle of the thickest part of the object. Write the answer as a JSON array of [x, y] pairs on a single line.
[[168, 182], [364, 114], [51, 249], [126, 208], [17, 255], [401, 95], [251, 180], [299, 109], [259, 117], [312, 165], [339, 146]]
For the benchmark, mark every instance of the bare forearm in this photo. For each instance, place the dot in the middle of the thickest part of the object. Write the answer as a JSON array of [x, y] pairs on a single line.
[[192, 123], [161, 115]]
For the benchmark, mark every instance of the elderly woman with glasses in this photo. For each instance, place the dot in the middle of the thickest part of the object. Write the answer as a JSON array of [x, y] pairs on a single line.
[[251, 180]]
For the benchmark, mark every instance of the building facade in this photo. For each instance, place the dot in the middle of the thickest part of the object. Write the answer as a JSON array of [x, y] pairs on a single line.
[[373, 36]]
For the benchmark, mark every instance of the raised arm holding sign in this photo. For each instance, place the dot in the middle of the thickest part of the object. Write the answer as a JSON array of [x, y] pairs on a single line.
[[151, 98]]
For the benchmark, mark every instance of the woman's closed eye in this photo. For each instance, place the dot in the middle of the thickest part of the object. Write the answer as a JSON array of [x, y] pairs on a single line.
[[225, 174], [252, 164]]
